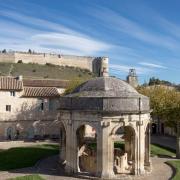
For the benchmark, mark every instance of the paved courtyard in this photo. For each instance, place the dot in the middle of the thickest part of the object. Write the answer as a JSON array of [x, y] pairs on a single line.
[[48, 168]]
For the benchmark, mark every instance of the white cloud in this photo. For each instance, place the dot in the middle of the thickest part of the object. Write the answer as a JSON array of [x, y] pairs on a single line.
[[152, 65], [79, 43], [125, 68], [39, 34], [115, 21]]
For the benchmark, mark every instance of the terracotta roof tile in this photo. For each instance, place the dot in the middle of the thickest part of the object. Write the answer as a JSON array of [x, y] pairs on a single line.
[[10, 83], [40, 92], [45, 83]]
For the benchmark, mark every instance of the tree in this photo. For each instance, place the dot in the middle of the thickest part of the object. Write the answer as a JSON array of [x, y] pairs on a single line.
[[72, 85], [157, 81], [29, 51], [4, 51], [165, 103]]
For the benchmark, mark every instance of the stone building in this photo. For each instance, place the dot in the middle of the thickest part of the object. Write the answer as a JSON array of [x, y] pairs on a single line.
[[105, 129], [28, 107], [132, 78]]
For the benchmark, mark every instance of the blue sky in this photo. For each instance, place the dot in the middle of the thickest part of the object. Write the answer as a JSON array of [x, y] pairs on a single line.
[[141, 34]]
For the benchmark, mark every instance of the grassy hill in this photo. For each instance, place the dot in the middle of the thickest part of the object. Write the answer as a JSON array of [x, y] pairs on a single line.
[[44, 71]]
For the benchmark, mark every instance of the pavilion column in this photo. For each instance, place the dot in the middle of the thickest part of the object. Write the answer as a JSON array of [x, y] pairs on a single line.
[[105, 152], [62, 145], [141, 147], [71, 150], [147, 146]]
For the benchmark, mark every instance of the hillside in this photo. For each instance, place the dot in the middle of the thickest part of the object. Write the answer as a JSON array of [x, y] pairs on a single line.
[[44, 71]]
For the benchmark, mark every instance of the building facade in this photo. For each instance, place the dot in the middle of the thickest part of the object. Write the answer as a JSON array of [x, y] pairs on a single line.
[[29, 107]]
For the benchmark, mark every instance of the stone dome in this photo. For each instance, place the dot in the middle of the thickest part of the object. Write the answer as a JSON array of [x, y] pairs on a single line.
[[107, 94], [104, 87]]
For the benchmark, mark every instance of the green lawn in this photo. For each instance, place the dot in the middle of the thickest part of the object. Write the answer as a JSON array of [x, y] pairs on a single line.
[[29, 177], [21, 157], [157, 150], [176, 165]]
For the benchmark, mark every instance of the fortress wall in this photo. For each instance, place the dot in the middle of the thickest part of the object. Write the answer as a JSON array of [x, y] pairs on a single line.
[[77, 61], [7, 57], [62, 60], [93, 64]]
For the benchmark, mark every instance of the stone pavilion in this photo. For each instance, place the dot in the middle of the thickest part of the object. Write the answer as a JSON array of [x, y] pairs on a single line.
[[105, 129]]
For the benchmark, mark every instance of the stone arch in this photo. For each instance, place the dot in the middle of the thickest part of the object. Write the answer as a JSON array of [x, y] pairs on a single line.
[[86, 143], [124, 149], [10, 133], [30, 132], [62, 138], [116, 127], [19, 130]]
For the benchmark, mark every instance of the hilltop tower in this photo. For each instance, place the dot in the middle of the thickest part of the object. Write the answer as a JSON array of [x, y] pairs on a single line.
[[132, 78]]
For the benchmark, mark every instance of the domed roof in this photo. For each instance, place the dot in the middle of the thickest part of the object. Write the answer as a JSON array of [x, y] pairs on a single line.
[[104, 87], [107, 95]]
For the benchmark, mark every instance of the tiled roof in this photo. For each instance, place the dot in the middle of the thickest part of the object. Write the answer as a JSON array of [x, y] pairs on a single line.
[[45, 83], [40, 92], [10, 83]]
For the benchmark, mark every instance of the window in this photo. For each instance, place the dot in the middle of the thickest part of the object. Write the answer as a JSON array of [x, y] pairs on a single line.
[[8, 108], [12, 93], [42, 106]]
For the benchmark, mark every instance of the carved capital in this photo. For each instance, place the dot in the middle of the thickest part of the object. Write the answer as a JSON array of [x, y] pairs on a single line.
[[140, 123], [105, 124]]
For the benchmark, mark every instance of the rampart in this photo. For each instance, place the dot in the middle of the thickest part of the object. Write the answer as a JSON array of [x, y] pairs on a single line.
[[97, 65]]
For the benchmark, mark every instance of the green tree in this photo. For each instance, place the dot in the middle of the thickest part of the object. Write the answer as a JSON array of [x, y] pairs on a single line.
[[72, 85], [165, 103]]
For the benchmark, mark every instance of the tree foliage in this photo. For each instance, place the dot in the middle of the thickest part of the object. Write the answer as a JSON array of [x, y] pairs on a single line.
[[165, 103], [157, 81], [72, 85]]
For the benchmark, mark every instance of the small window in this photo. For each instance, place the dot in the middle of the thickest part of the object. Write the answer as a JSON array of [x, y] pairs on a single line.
[[42, 106], [8, 108], [12, 93]]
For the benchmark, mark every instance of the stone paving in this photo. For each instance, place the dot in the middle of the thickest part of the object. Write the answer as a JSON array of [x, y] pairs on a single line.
[[49, 170]]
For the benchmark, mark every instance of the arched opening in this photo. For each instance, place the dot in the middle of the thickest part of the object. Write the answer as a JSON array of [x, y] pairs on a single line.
[[19, 131], [154, 128], [30, 132], [62, 144], [124, 150], [87, 149], [10, 133]]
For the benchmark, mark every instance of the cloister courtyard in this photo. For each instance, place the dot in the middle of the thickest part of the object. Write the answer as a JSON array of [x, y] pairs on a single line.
[[46, 166]]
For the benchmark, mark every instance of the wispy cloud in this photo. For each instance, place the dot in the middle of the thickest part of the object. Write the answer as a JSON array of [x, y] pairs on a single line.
[[125, 68], [115, 21], [79, 43], [152, 65], [49, 35]]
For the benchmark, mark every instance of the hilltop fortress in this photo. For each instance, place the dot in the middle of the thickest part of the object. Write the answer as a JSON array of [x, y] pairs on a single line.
[[97, 65]]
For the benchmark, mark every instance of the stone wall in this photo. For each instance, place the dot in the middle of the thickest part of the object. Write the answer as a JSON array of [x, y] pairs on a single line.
[[26, 115], [7, 57], [94, 64]]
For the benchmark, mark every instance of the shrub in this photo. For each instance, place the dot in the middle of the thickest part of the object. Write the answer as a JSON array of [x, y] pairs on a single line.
[[73, 84]]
